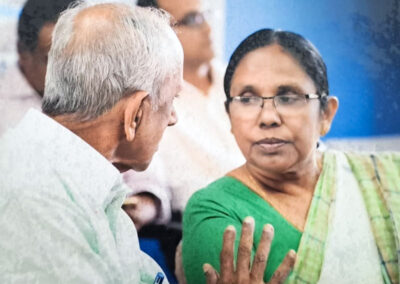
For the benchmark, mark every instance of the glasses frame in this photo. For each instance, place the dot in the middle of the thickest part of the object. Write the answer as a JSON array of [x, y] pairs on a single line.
[[184, 21], [306, 96]]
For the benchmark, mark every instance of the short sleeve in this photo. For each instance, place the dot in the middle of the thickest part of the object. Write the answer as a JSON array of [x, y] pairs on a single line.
[[204, 223]]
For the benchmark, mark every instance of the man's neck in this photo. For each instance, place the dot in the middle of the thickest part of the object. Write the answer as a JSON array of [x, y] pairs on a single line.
[[101, 133]]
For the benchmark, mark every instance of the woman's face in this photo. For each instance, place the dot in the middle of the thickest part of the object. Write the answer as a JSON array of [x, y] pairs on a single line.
[[274, 140]]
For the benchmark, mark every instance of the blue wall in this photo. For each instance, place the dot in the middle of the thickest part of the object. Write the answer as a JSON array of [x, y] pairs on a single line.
[[360, 43]]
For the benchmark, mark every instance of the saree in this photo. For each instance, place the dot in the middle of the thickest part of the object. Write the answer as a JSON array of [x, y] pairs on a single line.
[[377, 178]]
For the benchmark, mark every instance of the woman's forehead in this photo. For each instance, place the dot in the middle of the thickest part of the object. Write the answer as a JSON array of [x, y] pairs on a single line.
[[270, 65], [271, 57]]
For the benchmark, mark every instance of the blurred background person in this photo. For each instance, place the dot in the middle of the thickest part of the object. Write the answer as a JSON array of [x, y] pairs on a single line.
[[22, 85]]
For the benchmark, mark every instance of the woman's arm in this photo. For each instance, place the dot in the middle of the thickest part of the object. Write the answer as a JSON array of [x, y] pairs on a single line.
[[204, 225], [204, 222]]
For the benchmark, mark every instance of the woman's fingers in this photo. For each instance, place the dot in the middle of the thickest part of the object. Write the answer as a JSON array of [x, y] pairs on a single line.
[[284, 269], [210, 273], [227, 255], [244, 251], [261, 257], [242, 273]]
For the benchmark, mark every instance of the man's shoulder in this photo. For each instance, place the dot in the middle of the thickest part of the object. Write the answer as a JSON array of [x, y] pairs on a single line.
[[25, 166]]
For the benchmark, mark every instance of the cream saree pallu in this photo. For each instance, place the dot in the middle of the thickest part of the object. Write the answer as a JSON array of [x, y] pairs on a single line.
[[352, 229]]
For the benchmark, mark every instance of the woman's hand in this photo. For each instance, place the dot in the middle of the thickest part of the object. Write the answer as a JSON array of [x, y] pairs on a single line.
[[244, 273]]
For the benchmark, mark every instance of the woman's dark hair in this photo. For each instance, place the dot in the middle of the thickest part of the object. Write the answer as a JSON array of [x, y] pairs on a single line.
[[298, 47]]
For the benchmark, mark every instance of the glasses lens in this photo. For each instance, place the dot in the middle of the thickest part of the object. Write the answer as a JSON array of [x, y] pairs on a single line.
[[289, 102], [247, 101], [193, 19], [245, 107]]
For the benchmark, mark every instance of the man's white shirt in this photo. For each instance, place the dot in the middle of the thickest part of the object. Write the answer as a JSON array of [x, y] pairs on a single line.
[[60, 211]]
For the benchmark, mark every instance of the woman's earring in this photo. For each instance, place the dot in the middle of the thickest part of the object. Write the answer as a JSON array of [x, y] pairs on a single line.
[[324, 130]]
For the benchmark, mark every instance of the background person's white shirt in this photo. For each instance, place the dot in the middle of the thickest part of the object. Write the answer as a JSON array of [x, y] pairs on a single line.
[[16, 98]]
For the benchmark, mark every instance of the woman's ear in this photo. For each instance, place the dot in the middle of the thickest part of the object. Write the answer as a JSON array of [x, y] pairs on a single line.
[[133, 113], [328, 114]]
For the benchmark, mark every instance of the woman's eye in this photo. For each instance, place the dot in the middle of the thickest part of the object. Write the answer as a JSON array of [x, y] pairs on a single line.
[[285, 98], [288, 98], [245, 100]]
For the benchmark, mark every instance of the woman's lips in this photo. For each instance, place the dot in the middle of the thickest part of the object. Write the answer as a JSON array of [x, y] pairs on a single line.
[[271, 145]]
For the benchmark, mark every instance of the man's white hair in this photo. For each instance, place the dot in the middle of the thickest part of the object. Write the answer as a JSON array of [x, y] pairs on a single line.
[[95, 61]]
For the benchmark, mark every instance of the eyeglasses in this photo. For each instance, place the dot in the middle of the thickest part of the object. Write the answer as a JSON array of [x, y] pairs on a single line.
[[193, 19], [285, 104]]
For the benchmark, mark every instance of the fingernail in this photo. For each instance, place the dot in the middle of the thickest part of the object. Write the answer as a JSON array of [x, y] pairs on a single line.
[[292, 253], [249, 220], [231, 228], [206, 268], [268, 228]]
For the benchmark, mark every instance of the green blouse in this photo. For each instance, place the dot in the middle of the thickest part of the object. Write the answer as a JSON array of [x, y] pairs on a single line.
[[225, 202]]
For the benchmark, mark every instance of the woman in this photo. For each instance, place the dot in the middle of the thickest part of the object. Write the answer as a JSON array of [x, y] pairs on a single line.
[[339, 211]]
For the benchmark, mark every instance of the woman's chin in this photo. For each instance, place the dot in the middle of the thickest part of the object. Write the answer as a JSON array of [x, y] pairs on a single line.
[[276, 164]]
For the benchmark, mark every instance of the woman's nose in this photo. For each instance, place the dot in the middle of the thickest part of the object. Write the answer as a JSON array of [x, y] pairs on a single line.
[[269, 116]]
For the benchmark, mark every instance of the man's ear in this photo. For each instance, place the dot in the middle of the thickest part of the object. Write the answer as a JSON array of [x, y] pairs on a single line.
[[133, 113]]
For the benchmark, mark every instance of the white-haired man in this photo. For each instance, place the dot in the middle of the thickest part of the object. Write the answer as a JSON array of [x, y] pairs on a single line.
[[112, 76], [104, 102]]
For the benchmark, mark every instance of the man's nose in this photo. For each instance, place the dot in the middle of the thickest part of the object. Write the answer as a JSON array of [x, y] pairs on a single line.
[[173, 118]]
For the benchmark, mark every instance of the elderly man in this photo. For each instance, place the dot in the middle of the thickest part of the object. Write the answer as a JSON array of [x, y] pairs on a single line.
[[104, 100], [22, 86]]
